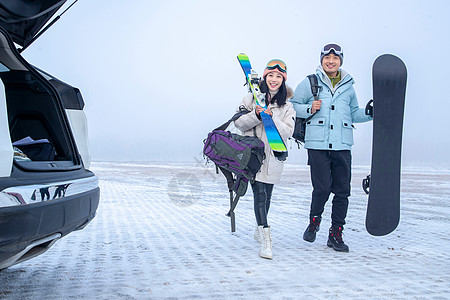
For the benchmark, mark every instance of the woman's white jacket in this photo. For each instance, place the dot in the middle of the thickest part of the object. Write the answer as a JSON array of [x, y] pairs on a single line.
[[250, 124]]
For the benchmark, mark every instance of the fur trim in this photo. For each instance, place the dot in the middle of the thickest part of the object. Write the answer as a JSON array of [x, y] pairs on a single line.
[[289, 92]]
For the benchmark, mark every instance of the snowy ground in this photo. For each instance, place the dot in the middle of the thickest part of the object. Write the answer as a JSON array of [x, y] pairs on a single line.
[[161, 233]]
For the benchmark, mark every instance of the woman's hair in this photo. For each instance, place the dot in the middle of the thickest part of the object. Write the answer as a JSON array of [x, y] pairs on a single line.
[[279, 98]]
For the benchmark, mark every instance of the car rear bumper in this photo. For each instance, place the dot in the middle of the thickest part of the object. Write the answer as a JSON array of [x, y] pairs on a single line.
[[31, 227]]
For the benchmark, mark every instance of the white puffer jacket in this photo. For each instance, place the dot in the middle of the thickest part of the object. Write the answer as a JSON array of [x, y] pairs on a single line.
[[284, 119]]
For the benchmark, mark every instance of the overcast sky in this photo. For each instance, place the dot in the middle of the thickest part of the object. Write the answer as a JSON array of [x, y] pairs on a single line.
[[157, 76]]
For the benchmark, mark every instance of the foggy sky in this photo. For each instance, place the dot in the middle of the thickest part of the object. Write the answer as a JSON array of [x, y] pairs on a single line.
[[157, 76]]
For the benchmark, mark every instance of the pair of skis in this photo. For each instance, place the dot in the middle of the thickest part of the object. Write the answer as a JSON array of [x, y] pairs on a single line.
[[273, 135]]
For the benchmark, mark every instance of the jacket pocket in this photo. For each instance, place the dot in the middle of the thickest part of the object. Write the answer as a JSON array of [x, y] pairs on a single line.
[[347, 133], [315, 129], [275, 167]]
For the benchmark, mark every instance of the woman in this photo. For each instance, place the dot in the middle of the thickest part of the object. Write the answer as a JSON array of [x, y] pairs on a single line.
[[283, 115]]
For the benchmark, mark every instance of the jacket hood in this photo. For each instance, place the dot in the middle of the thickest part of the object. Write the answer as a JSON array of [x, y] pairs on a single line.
[[23, 19], [345, 76], [322, 71]]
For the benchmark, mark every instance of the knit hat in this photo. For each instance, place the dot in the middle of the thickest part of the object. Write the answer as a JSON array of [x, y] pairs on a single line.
[[276, 65], [332, 48]]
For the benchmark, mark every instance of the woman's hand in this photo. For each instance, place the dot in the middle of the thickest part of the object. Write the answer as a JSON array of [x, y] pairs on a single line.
[[259, 109]]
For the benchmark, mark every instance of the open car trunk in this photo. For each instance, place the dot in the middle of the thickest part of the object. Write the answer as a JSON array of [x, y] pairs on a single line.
[[37, 124], [46, 189]]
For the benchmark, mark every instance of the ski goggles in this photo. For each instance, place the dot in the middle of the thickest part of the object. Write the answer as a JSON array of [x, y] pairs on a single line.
[[332, 47], [277, 64]]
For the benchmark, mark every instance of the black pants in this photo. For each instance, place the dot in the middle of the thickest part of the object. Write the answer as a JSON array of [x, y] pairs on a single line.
[[330, 173], [262, 192]]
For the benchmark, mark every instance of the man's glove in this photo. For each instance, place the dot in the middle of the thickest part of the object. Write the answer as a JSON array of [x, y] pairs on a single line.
[[369, 108]]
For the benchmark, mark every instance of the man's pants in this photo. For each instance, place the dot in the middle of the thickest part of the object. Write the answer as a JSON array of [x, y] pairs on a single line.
[[330, 173]]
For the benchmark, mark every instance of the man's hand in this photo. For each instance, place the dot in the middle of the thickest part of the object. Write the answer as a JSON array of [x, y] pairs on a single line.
[[369, 108], [316, 106]]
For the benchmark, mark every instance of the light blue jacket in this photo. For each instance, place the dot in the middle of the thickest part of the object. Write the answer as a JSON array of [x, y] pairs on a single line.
[[332, 127]]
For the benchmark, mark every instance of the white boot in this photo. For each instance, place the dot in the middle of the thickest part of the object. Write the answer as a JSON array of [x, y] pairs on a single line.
[[257, 236], [266, 242]]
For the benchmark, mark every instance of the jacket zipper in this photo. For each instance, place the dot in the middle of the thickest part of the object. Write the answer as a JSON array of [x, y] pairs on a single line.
[[339, 85]]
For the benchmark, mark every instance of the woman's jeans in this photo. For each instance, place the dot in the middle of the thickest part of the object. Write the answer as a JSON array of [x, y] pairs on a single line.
[[262, 192]]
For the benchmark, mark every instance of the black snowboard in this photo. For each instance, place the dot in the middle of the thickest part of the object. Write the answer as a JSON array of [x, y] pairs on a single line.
[[389, 88]]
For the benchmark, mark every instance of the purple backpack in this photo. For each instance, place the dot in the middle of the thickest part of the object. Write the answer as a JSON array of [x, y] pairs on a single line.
[[238, 157], [238, 154]]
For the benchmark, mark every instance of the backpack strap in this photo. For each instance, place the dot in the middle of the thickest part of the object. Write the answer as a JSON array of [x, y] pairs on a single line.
[[231, 213], [240, 187], [242, 111], [315, 89], [229, 176]]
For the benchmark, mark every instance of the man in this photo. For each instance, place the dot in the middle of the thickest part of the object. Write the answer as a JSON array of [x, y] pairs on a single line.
[[328, 139]]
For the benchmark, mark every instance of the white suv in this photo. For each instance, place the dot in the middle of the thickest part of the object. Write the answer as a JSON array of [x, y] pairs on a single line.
[[46, 189]]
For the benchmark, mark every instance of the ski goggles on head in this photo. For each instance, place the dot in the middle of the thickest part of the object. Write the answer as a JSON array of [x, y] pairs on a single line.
[[277, 64], [332, 47]]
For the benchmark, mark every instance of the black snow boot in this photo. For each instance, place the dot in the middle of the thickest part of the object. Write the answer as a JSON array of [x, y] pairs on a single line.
[[313, 227], [335, 239]]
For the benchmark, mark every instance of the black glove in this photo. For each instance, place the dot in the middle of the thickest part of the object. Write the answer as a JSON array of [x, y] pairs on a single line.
[[369, 108]]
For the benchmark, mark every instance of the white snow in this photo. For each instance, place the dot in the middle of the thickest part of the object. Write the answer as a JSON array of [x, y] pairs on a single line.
[[161, 233]]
